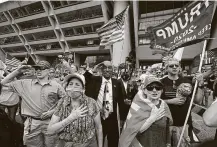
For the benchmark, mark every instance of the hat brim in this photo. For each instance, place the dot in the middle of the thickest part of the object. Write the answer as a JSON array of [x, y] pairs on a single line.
[[68, 77], [155, 82]]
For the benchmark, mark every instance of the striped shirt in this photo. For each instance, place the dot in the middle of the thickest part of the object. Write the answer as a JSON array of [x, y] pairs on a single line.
[[178, 112]]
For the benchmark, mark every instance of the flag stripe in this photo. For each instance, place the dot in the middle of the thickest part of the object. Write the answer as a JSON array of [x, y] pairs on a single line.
[[113, 30], [108, 34], [12, 61], [111, 21], [113, 35]]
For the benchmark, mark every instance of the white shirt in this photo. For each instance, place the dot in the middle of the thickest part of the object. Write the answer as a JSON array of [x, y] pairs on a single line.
[[109, 96]]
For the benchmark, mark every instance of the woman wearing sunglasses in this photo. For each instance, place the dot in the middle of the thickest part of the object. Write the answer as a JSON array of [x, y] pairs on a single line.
[[77, 118], [149, 118]]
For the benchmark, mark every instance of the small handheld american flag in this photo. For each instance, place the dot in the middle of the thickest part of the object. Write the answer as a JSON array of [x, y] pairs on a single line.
[[11, 61]]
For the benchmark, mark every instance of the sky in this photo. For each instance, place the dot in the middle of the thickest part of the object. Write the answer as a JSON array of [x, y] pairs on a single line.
[[1, 1]]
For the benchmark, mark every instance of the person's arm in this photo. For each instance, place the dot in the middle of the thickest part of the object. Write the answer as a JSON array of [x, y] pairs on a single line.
[[97, 121], [10, 76], [175, 101], [209, 116], [56, 126], [200, 90], [15, 73], [199, 95], [66, 65], [61, 94], [207, 74]]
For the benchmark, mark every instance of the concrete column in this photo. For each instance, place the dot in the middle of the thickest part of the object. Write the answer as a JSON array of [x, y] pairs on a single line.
[[121, 49], [212, 43], [77, 59], [136, 29]]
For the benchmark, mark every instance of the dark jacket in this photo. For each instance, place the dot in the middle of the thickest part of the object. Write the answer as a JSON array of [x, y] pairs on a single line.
[[92, 88], [10, 132], [129, 94]]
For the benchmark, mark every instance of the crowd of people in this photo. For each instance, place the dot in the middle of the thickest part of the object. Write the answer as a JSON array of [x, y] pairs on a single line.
[[96, 107]]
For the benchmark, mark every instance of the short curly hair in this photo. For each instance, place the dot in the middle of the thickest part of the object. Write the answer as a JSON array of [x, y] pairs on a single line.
[[170, 60]]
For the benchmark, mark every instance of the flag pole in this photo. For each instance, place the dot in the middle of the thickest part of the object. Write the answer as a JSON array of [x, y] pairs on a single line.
[[126, 17], [194, 92]]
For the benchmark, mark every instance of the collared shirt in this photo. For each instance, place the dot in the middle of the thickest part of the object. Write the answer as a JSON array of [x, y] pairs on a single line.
[[109, 96], [37, 98], [125, 84]]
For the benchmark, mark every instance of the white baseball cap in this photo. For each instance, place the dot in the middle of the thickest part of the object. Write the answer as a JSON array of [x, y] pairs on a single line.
[[75, 75]]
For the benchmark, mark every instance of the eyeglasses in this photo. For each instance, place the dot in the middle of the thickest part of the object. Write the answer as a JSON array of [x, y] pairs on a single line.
[[173, 65], [151, 87]]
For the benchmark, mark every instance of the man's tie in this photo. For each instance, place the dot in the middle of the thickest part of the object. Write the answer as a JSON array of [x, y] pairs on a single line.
[[105, 108]]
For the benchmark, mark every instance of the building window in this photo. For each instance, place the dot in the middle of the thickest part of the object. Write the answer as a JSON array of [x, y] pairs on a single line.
[[27, 10], [90, 42], [81, 14], [88, 29], [146, 24], [46, 46], [68, 31], [78, 31], [34, 24], [96, 26], [19, 49], [84, 43], [6, 29], [143, 41], [41, 36], [61, 4], [96, 42], [2, 17], [10, 40]]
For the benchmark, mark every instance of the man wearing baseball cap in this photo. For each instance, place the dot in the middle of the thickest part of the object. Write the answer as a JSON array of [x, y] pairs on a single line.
[[39, 96]]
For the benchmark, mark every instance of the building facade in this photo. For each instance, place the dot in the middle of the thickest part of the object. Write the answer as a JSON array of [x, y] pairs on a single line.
[[152, 13], [45, 29]]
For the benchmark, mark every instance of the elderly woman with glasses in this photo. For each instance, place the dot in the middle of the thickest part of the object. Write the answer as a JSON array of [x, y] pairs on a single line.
[[149, 118], [77, 118]]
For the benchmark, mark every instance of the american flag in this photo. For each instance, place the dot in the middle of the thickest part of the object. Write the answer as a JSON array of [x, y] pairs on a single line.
[[11, 61], [113, 30]]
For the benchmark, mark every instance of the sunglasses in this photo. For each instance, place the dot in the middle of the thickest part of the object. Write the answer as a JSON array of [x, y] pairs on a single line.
[[173, 65], [40, 68], [151, 87]]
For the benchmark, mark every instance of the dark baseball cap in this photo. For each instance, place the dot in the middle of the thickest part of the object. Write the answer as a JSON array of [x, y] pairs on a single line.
[[42, 63]]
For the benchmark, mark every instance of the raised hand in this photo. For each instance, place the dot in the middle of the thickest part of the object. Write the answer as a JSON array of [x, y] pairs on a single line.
[[64, 62], [22, 68]]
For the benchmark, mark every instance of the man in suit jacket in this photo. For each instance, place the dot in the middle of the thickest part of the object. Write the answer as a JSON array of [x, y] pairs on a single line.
[[128, 89], [107, 92]]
